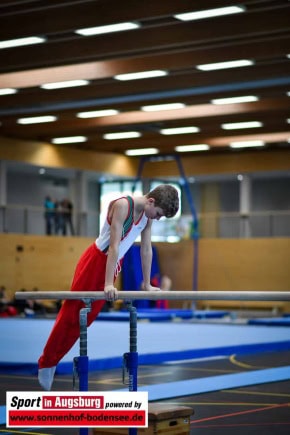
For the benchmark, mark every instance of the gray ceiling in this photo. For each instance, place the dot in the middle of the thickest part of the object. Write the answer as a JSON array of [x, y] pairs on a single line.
[[162, 42]]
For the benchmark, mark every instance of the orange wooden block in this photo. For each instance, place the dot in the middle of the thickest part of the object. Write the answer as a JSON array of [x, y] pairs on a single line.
[[163, 419]]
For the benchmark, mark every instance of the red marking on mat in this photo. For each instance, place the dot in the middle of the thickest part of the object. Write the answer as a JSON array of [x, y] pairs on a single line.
[[233, 414]]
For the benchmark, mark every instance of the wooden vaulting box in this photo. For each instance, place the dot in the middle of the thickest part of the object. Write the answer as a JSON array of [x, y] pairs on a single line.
[[163, 419]]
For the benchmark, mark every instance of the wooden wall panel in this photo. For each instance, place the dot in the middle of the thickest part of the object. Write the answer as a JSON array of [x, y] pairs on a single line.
[[44, 154], [224, 264], [38, 261], [47, 155]]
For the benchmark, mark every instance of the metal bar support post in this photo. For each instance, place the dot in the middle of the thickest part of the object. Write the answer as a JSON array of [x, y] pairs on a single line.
[[81, 363], [130, 359]]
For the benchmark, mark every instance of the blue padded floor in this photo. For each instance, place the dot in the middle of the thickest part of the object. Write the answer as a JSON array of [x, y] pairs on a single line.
[[271, 321], [209, 384], [22, 341]]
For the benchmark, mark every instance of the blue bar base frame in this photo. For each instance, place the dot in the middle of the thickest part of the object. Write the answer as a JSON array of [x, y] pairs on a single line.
[[130, 359], [82, 362]]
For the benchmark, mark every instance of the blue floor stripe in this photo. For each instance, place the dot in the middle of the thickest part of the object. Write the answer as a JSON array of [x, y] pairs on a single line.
[[159, 358], [215, 383], [273, 321], [2, 415]]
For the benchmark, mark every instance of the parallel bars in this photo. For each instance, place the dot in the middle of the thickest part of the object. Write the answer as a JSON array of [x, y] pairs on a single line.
[[163, 295], [130, 359]]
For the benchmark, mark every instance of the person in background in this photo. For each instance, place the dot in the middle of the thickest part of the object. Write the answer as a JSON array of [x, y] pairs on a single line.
[[6, 306], [58, 218], [49, 215], [67, 215], [127, 218]]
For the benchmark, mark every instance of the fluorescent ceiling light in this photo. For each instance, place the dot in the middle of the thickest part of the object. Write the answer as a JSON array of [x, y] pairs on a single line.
[[36, 119], [225, 65], [123, 135], [288, 120], [111, 28], [288, 94], [240, 125], [235, 100], [187, 148], [179, 130], [246, 144], [156, 107], [141, 75], [66, 84], [7, 91], [71, 139], [21, 41], [189, 16], [142, 152], [97, 113]]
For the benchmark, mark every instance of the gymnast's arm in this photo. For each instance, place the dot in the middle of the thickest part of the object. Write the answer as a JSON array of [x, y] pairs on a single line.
[[117, 215], [146, 256]]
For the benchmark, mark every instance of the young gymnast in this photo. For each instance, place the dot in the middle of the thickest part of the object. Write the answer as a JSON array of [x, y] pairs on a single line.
[[99, 265]]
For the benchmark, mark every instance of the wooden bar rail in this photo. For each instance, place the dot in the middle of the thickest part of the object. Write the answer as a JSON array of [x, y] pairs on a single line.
[[163, 295]]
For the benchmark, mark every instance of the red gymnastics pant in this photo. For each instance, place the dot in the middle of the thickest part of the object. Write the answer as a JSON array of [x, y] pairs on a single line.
[[89, 276]]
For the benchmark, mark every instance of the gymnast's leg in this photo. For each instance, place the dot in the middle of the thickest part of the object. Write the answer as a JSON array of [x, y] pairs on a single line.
[[89, 276]]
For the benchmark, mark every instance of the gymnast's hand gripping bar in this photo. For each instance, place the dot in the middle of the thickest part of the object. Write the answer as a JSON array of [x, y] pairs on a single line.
[[162, 295]]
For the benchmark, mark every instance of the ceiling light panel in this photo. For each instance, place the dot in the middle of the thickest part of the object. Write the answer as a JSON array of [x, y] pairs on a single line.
[[111, 28], [141, 75], [241, 125], [66, 84], [97, 113], [235, 100], [71, 139], [190, 148], [11, 43], [209, 13], [247, 144], [36, 119], [225, 65], [7, 91], [142, 152], [123, 135], [179, 130], [157, 107]]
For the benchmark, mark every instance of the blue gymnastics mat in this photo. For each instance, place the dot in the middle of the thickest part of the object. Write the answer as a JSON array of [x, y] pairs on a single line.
[[22, 341], [271, 321], [185, 314], [125, 316], [214, 383]]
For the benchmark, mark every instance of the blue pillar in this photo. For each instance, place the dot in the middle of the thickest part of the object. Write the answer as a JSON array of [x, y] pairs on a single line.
[[82, 362], [131, 358]]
